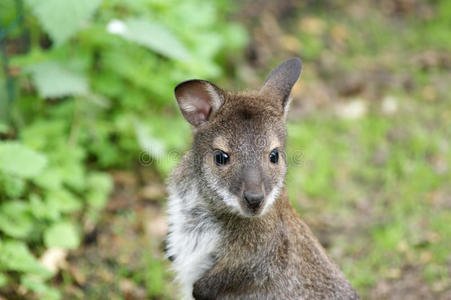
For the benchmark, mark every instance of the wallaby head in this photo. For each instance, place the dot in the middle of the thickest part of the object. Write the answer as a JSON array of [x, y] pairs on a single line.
[[239, 139]]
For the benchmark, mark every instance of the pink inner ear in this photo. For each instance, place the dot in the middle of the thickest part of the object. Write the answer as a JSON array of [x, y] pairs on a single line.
[[199, 99], [203, 107], [196, 99], [203, 112]]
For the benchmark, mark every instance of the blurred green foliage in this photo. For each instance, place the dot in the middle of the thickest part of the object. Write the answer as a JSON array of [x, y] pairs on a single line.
[[93, 87]]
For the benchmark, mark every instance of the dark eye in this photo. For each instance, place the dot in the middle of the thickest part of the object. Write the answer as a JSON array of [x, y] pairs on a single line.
[[221, 158], [274, 156]]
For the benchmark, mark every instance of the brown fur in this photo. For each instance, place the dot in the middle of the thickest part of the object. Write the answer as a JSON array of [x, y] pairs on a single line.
[[261, 254], [272, 257]]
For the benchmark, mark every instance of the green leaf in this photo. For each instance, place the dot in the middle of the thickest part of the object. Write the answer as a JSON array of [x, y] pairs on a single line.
[[100, 185], [12, 186], [54, 80], [43, 210], [162, 142], [3, 280], [49, 179], [63, 235], [15, 219], [63, 18], [152, 35], [73, 173], [37, 285], [63, 201], [148, 142], [100, 182], [15, 256], [3, 127], [54, 129], [16, 159]]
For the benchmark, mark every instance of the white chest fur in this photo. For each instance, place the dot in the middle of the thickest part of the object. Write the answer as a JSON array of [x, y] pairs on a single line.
[[193, 237]]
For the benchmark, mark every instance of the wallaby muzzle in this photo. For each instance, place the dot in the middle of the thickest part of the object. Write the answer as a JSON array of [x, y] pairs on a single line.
[[253, 191], [253, 201]]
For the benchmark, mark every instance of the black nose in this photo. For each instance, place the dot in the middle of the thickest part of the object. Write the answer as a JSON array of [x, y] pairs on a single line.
[[253, 200]]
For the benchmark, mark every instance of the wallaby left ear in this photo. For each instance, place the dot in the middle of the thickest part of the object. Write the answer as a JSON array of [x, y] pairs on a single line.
[[280, 81], [198, 100]]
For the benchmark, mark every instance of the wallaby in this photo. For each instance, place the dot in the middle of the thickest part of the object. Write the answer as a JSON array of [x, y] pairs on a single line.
[[232, 231]]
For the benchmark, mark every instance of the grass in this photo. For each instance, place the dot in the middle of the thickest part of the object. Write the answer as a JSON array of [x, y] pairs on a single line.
[[383, 212], [381, 182]]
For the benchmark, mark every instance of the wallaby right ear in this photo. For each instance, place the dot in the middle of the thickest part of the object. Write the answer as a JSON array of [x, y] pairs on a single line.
[[280, 81], [198, 100]]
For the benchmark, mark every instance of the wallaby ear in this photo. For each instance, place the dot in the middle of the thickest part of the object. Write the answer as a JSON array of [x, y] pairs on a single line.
[[198, 100], [280, 81]]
